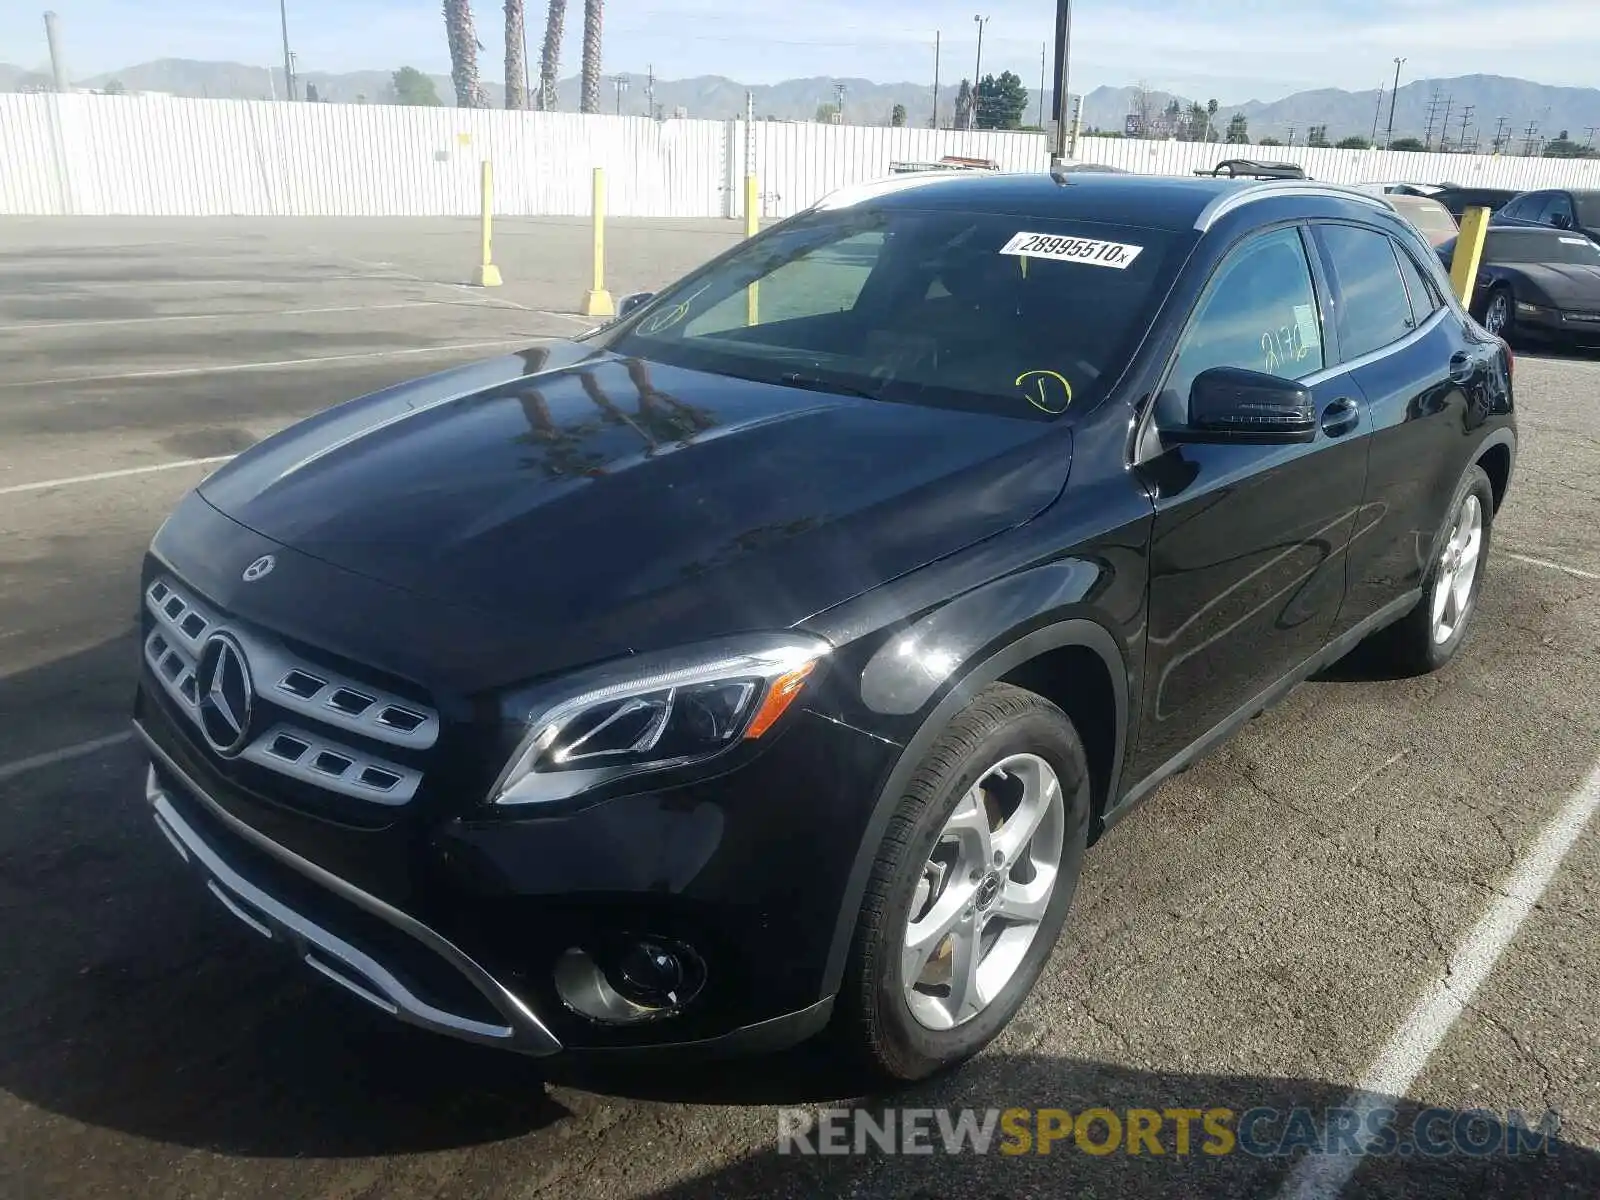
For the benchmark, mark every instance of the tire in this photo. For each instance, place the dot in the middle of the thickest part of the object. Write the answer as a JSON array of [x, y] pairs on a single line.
[[1498, 296], [1417, 644], [883, 1027]]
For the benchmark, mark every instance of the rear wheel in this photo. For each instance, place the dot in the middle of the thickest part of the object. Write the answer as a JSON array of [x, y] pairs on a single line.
[[970, 887], [1429, 636]]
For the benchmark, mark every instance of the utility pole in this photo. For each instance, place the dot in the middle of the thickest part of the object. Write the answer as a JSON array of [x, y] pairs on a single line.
[[1466, 122], [1291, 134], [977, 75], [288, 59], [650, 89], [838, 91], [1388, 138], [1063, 111], [621, 82], [1433, 112], [58, 60], [1591, 132], [1500, 134], [938, 49], [1376, 113], [1531, 134], [1444, 125]]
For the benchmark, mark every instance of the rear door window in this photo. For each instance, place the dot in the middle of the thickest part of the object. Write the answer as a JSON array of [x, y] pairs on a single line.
[[1373, 306], [1425, 298]]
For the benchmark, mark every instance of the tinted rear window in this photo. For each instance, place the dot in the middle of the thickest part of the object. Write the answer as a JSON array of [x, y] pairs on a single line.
[[1375, 309], [1015, 315], [1588, 206]]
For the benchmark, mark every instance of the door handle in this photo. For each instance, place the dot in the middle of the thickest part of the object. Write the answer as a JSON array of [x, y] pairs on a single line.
[[1340, 417]]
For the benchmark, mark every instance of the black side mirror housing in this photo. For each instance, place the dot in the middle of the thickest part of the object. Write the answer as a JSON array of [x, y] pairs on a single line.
[[1230, 405], [630, 303]]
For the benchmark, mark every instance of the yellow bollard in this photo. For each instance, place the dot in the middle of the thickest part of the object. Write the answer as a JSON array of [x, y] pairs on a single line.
[[487, 274], [1468, 253], [598, 302], [752, 226]]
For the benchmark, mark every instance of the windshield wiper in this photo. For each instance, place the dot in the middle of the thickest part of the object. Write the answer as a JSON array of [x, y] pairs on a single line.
[[811, 383]]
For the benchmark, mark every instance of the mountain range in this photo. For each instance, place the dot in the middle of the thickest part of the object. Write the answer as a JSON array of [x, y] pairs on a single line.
[[1482, 99]]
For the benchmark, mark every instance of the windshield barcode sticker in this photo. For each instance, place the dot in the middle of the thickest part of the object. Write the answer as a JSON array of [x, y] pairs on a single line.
[[1072, 249]]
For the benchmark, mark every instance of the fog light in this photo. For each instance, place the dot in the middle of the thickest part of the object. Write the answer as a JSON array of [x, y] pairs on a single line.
[[630, 980]]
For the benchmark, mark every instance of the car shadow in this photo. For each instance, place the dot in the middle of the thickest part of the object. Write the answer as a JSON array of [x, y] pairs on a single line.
[[1254, 1161]]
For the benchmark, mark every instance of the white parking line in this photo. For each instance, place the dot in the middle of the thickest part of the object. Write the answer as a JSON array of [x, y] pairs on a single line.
[[49, 759], [30, 326], [1321, 1177], [44, 484], [174, 372], [1554, 566]]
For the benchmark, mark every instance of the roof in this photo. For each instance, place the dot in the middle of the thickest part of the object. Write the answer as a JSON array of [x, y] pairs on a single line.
[[1174, 202]]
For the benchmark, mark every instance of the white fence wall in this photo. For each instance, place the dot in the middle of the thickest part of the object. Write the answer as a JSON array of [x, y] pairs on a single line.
[[162, 156], [1348, 166]]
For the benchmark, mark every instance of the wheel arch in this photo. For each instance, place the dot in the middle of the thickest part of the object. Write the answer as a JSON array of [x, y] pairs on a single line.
[[1036, 657]]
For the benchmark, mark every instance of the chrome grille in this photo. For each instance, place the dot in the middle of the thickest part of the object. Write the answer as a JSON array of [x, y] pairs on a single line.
[[173, 649]]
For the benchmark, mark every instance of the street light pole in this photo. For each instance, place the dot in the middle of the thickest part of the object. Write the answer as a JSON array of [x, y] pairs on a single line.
[[1388, 138], [977, 75]]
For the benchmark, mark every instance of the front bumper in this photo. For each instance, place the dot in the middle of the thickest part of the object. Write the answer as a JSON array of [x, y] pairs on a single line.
[[395, 962], [1553, 323], [191, 823]]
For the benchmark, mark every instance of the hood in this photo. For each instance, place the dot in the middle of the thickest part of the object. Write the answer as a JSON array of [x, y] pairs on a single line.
[[608, 505], [1568, 285]]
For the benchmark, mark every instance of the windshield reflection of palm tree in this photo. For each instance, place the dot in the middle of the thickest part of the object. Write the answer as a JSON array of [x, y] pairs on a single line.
[[677, 421]]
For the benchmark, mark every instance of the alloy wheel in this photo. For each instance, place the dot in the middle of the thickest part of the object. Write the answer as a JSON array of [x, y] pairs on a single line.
[[984, 892], [1499, 314], [1457, 570]]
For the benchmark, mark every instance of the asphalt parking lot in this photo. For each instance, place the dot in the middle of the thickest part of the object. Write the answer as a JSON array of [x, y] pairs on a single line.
[[1306, 912]]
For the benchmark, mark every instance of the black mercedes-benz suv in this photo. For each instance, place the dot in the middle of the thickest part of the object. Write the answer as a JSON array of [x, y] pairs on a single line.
[[763, 663]]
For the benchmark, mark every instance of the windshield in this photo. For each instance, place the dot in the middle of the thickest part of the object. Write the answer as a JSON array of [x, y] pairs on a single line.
[[1535, 246], [1011, 315]]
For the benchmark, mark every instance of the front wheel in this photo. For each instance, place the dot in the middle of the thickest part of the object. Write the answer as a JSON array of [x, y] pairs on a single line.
[[1500, 314], [970, 887]]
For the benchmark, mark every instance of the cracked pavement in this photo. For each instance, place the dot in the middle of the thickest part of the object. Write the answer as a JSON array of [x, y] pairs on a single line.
[[1251, 936]]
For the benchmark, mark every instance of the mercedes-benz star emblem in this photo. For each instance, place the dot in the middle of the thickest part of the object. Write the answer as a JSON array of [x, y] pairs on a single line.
[[223, 683], [259, 569]]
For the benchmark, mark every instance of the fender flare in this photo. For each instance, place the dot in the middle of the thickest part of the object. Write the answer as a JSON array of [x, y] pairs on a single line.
[[1074, 631]]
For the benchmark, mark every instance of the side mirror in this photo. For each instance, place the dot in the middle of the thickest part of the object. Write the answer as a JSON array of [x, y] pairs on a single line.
[[1230, 405], [630, 303]]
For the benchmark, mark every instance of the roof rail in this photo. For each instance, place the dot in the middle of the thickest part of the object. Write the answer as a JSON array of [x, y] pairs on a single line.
[[1266, 189]]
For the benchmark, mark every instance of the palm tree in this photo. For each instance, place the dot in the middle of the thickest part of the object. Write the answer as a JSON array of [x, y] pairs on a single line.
[[593, 11], [463, 40], [516, 61], [550, 60]]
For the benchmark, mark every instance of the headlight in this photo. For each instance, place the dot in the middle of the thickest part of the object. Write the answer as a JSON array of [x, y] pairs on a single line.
[[655, 712]]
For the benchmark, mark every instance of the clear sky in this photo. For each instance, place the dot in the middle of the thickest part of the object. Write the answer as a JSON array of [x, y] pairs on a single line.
[[1235, 50]]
